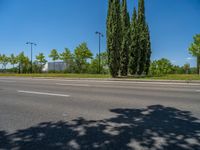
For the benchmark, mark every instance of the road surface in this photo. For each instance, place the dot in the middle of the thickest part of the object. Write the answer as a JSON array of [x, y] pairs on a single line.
[[92, 114]]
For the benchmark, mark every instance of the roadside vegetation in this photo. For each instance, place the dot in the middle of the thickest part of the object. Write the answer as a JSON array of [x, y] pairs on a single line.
[[81, 61], [128, 54], [186, 77], [60, 75], [128, 40]]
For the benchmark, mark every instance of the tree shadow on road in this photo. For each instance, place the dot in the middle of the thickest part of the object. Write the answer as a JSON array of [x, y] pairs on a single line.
[[155, 127]]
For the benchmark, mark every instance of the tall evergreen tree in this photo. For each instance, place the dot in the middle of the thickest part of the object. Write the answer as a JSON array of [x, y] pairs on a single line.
[[108, 29], [114, 36], [142, 36], [124, 58], [148, 50], [134, 47]]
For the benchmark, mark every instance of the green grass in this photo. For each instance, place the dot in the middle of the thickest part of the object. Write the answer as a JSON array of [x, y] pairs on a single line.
[[178, 77], [186, 77], [61, 75], [101, 76]]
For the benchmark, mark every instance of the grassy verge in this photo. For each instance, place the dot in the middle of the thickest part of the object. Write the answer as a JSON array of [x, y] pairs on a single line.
[[58, 75], [101, 76], [178, 77], [186, 77]]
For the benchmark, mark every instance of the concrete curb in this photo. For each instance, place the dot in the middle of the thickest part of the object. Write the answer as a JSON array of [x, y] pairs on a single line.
[[117, 79], [112, 79]]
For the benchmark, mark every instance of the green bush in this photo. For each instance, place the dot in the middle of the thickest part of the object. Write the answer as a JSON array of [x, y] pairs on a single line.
[[161, 67]]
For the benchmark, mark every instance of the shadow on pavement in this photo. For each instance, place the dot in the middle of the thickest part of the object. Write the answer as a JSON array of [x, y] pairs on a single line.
[[156, 127]]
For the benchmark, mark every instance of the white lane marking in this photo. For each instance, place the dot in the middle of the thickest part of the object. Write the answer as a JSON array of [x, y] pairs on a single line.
[[197, 90], [126, 87], [64, 114], [41, 93], [127, 82], [6, 81], [109, 81], [85, 85], [158, 83]]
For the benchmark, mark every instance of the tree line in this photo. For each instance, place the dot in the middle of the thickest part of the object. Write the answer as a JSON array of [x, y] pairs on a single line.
[[163, 66], [128, 41], [79, 61]]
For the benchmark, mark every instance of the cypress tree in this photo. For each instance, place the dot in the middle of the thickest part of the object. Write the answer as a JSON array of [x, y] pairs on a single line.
[[114, 36], [142, 37], [109, 33], [124, 53], [108, 27], [148, 50], [134, 47]]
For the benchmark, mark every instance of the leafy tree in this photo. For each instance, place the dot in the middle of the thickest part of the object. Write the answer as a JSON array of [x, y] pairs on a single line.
[[178, 70], [193, 70], [13, 60], [124, 53], [134, 45], [21, 58], [104, 59], [186, 68], [4, 60], [41, 60], [26, 65], [161, 67], [54, 56], [0, 59], [67, 57], [82, 54], [195, 50], [95, 64], [114, 36]]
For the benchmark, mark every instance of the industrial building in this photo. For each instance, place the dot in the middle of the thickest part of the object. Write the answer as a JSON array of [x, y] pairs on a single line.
[[55, 66]]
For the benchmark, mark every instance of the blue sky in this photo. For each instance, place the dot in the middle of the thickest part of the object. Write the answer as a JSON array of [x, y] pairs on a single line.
[[67, 23]]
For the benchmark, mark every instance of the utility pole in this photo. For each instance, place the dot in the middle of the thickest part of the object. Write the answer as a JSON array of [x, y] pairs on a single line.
[[100, 35], [31, 44]]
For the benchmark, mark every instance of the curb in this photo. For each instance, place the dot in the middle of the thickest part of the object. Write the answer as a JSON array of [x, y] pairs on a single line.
[[125, 80], [112, 79]]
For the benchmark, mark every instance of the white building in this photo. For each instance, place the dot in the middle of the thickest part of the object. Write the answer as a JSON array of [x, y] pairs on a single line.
[[57, 66]]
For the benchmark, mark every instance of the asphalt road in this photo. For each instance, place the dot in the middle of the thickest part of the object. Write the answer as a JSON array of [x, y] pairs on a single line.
[[92, 114]]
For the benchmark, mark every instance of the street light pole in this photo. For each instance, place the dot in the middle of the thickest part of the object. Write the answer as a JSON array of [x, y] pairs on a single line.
[[31, 44], [100, 35]]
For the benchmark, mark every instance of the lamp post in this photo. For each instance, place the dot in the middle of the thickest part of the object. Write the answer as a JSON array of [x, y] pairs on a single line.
[[100, 35], [31, 44]]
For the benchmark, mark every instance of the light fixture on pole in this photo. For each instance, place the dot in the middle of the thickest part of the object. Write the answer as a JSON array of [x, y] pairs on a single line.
[[100, 35], [31, 44]]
